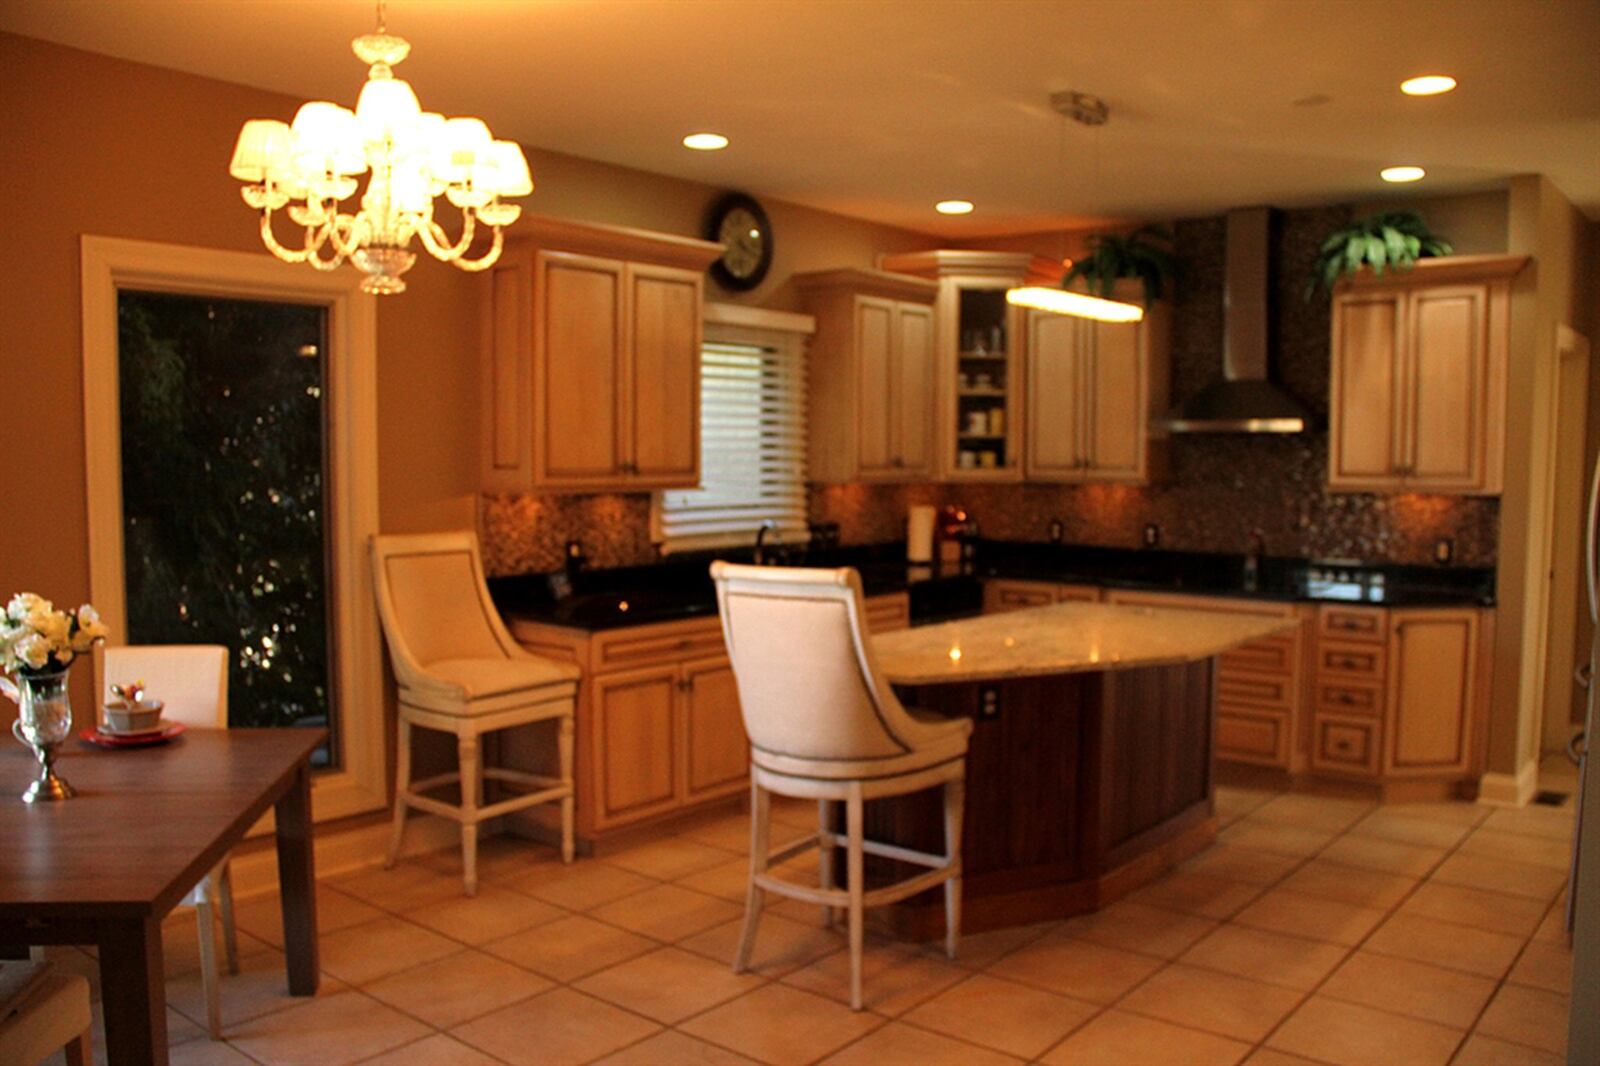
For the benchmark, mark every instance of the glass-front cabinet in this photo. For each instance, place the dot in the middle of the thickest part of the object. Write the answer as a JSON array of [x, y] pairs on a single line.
[[978, 365]]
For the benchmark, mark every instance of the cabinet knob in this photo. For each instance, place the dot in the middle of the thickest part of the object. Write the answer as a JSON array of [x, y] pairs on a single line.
[[1341, 745]]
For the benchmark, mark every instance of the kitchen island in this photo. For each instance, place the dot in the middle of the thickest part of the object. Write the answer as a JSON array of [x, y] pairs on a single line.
[[1089, 772]]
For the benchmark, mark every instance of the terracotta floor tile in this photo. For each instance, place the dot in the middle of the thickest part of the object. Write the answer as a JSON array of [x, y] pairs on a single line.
[[1290, 961], [1416, 989], [1544, 965], [1219, 1003], [259, 987], [1350, 884], [1421, 832], [585, 884], [782, 1025], [1481, 909], [569, 948], [668, 985], [667, 912], [501, 858], [1234, 802], [1390, 856], [1118, 1038], [559, 1028], [1137, 927], [897, 1043], [262, 916], [407, 886], [1529, 1016], [1456, 812], [731, 832], [1553, 823], [456, 989], [1272, 1057], [435, 1050], [1480, 1050], [1553, 928], [895, 977], [367, 952], [727, 880], [1455, 947], [1197, 893], [672, 1048], [1016, 1019], [490, 915], [1077, 968], [1513, 878], [1311, 811], [1517, 847], [342, 1028], [1282, 911], [1275, 837], [979, 950], [1241, 864], [1348, 1034], [781, 944], [800, 813], [204, 1053], [669, 858]]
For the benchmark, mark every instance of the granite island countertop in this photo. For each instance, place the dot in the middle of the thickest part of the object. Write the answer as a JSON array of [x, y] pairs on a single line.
[[1063, 638]]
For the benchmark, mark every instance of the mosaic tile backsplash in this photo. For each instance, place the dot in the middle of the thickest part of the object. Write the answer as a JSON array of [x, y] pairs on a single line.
[[1220, 487]]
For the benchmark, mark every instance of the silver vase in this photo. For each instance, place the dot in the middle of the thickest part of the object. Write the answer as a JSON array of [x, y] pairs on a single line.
[[43, 723]]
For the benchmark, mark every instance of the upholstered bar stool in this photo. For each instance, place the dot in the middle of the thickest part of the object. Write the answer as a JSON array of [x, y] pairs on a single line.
[[824, 725], [460, 672], [191, 680], [54, 1017]]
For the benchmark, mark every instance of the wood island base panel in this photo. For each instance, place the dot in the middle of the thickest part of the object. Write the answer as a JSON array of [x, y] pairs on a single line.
[[1081, 788]]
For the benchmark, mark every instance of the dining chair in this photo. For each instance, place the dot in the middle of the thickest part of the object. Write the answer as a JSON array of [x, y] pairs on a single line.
[[191, 680], [824, 725], [53, 1016], [459, 671]]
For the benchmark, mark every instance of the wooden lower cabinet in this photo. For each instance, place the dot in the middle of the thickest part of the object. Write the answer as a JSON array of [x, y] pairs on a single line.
[[715, 750], [1433, 694], [634, 719], [1005, 594]]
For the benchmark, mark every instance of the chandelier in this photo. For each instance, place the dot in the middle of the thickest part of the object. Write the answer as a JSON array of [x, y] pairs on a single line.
[[312, 165]]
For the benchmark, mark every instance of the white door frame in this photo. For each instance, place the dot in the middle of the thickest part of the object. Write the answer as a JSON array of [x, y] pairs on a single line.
[[1572, 351], [360, 783]]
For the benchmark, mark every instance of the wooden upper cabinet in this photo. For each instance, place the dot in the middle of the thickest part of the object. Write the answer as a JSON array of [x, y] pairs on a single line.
[[1417, 393], [871, 388], [592, 359], [1053, 441]]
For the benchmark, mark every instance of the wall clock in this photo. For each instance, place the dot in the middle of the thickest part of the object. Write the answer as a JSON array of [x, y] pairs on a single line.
[[738, 223]]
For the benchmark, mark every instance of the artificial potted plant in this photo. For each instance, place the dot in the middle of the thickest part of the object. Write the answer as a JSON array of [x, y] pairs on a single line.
[[1389, 240], [1144, 255]]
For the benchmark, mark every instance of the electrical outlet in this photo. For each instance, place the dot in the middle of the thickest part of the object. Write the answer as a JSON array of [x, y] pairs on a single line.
[[1057, 531], [1444, 551], [1152, 535], [989, 702]]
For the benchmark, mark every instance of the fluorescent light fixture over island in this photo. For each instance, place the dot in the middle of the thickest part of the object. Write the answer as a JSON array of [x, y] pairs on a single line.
[[1081, 305]]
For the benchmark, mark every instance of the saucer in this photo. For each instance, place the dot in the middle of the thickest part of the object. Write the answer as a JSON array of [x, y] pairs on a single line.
[[160, 726], [141, 739]]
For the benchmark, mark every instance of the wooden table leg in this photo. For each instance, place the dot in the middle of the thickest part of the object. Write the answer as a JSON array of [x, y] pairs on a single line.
[[297, 884], [134, 992]]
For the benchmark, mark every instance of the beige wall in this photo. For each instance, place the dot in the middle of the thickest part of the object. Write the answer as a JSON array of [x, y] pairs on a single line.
[[1473, 223]]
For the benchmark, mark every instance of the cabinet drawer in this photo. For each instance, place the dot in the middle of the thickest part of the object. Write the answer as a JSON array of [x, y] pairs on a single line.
[[647, 645], [1348, 697], [1348, 744], [1077, 594], [1271, 691], [888, 612], [1015, 595], [1337, 659], [1262, 739], [1366, 624], [1272, 655]]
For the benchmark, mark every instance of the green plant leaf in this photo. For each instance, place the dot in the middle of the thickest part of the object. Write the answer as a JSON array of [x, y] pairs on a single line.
[[1395, 243], [1377, 254]]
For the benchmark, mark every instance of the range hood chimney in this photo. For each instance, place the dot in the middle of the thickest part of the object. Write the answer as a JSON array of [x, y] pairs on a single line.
[[1243, 401]]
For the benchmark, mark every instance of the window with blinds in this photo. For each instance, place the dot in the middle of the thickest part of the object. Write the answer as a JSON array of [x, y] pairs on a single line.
[[752, 445]]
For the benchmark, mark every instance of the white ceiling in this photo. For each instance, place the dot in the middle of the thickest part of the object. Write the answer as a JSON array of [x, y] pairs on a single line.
[[878, 108]]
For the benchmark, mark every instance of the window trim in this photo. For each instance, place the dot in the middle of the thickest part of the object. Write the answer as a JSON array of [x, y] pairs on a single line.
[[737, 324], [107, 264]]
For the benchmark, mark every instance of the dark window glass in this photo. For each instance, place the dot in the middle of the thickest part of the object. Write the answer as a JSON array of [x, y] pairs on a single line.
[[223, 493]]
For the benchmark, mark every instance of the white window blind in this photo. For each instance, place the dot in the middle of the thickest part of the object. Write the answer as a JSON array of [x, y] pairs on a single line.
[[752, 445]]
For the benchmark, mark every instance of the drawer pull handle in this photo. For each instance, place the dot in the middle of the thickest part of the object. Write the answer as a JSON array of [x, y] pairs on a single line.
[[1341, 745], [1345, 697], [1350, 664]]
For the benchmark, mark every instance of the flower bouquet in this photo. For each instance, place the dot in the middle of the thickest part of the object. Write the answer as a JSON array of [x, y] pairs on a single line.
[[37, 646]]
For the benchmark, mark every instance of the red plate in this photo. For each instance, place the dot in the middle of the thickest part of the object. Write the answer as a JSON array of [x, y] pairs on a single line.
[[112, 740]]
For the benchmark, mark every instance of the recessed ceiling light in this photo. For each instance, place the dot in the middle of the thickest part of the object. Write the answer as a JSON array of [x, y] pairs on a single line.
[[1402, 174], [705, 142], [953, 207], [1428, 85]]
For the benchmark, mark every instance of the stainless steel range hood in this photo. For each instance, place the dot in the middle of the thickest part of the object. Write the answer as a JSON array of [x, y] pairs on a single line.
[[1243, 401]]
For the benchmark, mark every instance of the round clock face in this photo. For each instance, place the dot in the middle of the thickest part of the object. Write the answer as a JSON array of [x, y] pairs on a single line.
[[741, 226]]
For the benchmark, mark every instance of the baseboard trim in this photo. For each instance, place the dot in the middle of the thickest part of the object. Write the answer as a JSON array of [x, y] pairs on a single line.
[[255, 871], [1510, 790]]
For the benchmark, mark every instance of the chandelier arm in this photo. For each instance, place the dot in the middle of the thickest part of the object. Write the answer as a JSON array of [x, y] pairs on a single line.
[[317, 239], [487, 259], [341, 230], [438, 243], [288, 255]]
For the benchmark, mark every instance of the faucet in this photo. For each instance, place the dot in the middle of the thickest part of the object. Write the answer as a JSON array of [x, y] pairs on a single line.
[[769, 526], [1252, 559]]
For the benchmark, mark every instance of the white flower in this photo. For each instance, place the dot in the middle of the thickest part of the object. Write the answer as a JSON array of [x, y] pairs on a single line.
[[33, 651], [23, 604], [90, 629]]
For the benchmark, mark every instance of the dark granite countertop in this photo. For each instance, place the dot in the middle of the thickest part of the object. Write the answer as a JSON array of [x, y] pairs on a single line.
[[680, 588]]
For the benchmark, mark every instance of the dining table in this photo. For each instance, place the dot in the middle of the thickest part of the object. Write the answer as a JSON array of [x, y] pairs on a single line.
[[147, 824]]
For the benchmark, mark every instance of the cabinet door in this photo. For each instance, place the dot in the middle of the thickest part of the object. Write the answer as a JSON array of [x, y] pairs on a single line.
[[1114, 408], [1053, 450], [1432, 695], [875, 413], [1365, 413], [664, 375], [634, 737], [1012, 595], [1446, 371], [911, 390], [578, 370], [716, 751]]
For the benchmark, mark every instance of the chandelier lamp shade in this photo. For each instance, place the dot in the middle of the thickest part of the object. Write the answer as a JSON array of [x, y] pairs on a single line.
[[313, 165]]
